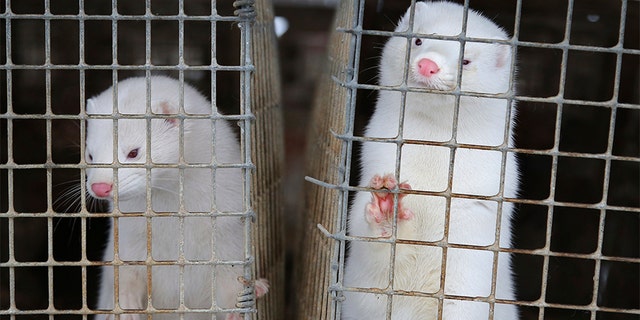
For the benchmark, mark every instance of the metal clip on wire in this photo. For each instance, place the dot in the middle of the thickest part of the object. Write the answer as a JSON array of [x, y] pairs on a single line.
[[245, 9]]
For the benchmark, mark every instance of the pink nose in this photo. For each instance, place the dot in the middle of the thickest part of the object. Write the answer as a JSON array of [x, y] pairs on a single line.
[[101, 189], [427, 67]]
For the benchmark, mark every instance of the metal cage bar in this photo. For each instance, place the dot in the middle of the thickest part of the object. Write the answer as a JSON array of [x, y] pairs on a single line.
[[245, 69]]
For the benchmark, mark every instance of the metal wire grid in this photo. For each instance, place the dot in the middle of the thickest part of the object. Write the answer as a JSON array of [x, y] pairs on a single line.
[[351, 85], [243, 20]]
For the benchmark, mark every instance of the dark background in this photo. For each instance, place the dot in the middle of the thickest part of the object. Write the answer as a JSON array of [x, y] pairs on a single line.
[[589, 76]]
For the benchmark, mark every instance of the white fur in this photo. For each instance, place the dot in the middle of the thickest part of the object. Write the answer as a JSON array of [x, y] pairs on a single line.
[[204, 237], [428, 116]]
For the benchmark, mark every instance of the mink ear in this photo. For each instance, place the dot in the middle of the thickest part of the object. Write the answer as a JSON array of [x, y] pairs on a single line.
[[90, 107], [503, 58], [165, 108], [93, 107], [403, 24]]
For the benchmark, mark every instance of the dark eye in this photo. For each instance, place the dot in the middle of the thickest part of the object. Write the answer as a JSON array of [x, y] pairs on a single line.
[[465, 62], [132, 154], [418, 42]]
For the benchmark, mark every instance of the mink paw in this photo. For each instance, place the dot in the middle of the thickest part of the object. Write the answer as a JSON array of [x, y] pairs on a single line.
[[248, 296], [379, 211]]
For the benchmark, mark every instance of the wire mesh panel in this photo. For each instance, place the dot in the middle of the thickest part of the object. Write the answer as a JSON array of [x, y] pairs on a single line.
[[165, 58], [574, 221]]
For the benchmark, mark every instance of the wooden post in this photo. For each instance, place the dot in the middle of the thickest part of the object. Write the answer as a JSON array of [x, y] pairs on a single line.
[[267, 148], [313, 300]]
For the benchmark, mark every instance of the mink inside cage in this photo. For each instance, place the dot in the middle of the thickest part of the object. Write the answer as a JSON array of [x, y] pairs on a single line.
[[576, 138], [55, 57]]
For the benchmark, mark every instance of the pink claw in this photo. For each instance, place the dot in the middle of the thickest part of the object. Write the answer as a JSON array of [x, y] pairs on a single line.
[[101, 189], [374, 211], [376, 182], [262, 287], [234, 316]]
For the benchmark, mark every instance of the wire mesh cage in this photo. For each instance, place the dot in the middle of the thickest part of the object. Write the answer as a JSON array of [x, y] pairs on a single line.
[[59, 55], [574, 252]]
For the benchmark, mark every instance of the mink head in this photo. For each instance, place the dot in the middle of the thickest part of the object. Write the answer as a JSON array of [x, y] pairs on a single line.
[[163, 131], [434, 63]]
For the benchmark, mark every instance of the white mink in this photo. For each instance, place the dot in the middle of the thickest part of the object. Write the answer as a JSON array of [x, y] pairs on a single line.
[[205, 238], [434, 64]]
